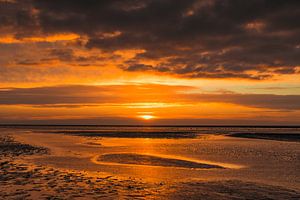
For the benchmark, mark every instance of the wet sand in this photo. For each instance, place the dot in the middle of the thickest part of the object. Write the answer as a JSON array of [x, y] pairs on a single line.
[[269, 136], [52, 166], [138, 159], [20, 179]]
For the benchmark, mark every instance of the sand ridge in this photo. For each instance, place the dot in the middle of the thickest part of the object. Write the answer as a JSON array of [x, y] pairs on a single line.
[[153, 160]]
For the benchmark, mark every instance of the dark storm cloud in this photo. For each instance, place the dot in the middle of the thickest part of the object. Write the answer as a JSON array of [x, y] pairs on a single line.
[[78, 95], [196, 38], [16, 17]]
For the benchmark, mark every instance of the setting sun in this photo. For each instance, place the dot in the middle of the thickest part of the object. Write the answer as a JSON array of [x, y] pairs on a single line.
[[146, 117]]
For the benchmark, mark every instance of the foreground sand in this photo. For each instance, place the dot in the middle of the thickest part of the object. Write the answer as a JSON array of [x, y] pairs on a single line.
[[40, 171], [19, 180]]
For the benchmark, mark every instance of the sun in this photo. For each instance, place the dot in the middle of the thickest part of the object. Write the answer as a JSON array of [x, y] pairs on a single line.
[[146, 117]]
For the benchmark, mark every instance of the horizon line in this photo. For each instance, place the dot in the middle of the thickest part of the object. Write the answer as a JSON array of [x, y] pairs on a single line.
[[138, 125]]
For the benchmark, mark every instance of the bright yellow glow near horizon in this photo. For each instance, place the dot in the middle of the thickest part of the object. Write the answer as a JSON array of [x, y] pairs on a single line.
[[146, 117]]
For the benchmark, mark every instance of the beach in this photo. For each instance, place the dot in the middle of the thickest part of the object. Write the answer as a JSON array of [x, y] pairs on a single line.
[[47, 163], [149, 99]]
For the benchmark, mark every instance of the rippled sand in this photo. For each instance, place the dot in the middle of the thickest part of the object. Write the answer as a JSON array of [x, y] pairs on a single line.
[[53, 166]]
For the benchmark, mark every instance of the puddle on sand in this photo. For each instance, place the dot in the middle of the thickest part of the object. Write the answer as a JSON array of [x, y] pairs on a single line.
[[154, 160]]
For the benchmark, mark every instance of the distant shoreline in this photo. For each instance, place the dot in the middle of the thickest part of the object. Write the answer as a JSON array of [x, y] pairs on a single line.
[[268, 136], [204, 126]]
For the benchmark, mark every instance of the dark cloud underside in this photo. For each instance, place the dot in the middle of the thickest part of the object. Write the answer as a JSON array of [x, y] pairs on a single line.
[[199, 39], [113, 94]]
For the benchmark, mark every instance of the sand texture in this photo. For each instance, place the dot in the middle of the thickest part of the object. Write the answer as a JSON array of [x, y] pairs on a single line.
[[54, 166]]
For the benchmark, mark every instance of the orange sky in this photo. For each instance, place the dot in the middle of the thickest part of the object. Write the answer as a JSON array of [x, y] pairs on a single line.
[[53, 69]]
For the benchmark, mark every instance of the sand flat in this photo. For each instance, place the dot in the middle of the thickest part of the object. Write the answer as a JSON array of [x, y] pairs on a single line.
[[151, 160], [157, 168], [291, 137]]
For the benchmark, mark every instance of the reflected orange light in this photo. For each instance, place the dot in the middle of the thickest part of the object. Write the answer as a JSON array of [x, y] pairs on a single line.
[[50, 38]]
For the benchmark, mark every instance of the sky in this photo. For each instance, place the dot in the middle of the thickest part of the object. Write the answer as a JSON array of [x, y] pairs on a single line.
[[150, 62]]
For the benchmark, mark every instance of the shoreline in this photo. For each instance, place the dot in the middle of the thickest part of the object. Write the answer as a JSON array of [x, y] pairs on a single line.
[[268, 136], [21, 178], [125, 125]]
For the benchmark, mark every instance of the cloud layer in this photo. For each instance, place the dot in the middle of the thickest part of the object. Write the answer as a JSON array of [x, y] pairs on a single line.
[[139, 94], [254, 39]]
